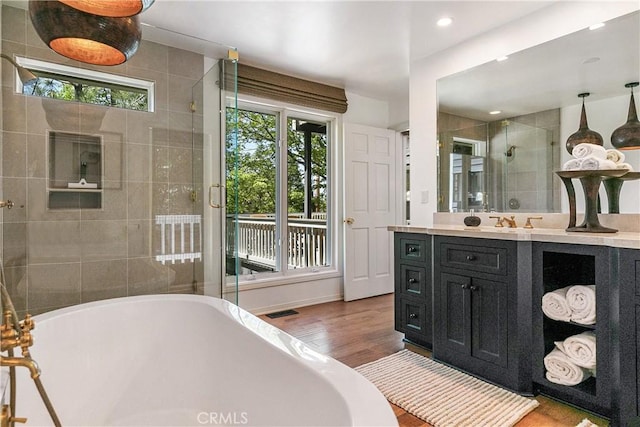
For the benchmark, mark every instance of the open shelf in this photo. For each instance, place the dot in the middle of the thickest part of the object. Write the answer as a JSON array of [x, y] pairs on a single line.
[[558, 266], [72, 158]]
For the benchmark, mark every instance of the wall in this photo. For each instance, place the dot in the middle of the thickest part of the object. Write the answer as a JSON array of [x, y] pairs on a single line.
[[539, 27], [603, 116], [54, 258], [366, 111]]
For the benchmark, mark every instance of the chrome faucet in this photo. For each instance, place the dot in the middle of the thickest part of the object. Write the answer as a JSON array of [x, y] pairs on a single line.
[[511, 221]]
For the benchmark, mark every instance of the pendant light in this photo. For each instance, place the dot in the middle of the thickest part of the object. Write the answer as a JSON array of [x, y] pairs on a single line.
[[113, 8], [627, 136], [85, 37], [583, 134]]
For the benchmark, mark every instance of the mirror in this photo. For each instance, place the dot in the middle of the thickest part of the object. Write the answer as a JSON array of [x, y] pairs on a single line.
[[524, 143]]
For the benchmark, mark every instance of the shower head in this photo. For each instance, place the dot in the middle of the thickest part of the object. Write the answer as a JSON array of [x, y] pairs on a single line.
[[25, 75]]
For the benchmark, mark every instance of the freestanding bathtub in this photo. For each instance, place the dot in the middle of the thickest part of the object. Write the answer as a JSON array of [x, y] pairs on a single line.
[[178, 360]]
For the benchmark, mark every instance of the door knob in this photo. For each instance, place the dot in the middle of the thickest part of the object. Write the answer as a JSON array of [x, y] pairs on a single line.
[[349, 220]]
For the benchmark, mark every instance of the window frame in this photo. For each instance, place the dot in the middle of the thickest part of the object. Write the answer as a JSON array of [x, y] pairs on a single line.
[[82, 73], [283, 111]]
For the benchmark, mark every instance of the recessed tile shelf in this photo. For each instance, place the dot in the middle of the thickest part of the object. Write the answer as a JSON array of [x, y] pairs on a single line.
[[71, 159]]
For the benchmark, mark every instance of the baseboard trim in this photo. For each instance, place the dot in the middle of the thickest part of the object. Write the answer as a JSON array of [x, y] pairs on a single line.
[[295, 304]]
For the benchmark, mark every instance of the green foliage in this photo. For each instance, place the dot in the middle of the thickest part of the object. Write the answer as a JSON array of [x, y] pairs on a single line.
[[252, 157], [59, 87]]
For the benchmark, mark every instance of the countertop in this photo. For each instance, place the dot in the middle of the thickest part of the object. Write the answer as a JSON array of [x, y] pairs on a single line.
[[621, 239]]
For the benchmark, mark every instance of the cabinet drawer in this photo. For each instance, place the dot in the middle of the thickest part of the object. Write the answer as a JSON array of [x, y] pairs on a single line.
[[476, 258], [413, 317], [412, 249], [413, 281]]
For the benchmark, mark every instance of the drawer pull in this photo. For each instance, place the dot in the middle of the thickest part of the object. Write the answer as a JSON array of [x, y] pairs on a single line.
[[464, 286], [412, 249], [412, 280], [473, 288], [471, 257], [413, 316]]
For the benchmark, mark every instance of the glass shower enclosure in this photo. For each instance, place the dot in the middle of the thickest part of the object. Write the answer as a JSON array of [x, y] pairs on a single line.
[[503, 166], [215, 121]]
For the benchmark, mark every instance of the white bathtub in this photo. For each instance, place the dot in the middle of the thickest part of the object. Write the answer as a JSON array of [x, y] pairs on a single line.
[[187, 360]]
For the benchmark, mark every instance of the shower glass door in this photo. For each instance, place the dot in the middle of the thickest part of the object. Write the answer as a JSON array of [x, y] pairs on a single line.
[[214, 175]]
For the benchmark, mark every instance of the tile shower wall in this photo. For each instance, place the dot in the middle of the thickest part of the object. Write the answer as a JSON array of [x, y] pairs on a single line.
[[61, 257], [526, 178]]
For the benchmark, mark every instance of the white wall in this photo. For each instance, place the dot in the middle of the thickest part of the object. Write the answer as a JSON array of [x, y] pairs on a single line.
[[603, 116], [541, 26], [366, 111]]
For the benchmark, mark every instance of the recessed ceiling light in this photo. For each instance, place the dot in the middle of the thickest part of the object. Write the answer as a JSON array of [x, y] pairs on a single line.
[[444, 22], [494, 112], [596, 26], [502, 58]]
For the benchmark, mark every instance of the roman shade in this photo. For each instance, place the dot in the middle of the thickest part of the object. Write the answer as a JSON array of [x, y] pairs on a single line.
[[281, 87]]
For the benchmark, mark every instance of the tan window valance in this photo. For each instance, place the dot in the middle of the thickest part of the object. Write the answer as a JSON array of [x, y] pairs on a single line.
[[281, 87]]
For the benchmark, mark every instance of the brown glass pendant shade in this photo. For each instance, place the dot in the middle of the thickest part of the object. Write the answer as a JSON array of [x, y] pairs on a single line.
[[583, 135], [627, 136], [113, 8], [85, 37]]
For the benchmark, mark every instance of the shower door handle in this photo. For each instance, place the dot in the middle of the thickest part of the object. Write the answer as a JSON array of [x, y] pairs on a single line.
[[220, 205], [6, 204]]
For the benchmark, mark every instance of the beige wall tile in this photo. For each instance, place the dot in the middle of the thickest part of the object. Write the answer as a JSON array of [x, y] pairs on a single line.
[[53, 285], [53, 242], [138, 238], [138, 158], [14, 240], [15, 189], [104, 279], [14, 111], [147, 276], [103, 240], [36, 156], [139, 200], [16, 283], [14, 154]]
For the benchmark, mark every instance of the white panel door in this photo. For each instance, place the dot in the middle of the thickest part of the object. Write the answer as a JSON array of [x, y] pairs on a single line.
[[370, 207]]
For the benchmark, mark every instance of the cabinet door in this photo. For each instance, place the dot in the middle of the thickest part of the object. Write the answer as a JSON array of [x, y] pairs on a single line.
[[454, 311], [489, 321]]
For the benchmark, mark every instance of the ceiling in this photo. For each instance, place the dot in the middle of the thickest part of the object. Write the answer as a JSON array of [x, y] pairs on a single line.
[[363, 46], [549, 75]]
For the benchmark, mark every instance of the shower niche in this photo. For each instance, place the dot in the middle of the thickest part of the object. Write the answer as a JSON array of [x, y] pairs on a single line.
[[75, 171]]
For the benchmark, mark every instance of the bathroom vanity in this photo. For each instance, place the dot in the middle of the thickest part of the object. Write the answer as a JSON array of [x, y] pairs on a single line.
[[473, 295]]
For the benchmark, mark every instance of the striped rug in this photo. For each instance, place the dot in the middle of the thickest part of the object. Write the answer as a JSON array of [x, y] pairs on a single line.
[[443, 396]]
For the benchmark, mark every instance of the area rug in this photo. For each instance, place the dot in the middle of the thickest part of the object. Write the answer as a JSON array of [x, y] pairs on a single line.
[[443, 396]]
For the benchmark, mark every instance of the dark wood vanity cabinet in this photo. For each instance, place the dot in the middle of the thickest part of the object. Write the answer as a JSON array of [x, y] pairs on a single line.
[[413, 287], [627, 409], [476, 309]]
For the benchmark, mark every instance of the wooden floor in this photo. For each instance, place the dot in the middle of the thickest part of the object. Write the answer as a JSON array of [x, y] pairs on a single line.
[[362, 331]]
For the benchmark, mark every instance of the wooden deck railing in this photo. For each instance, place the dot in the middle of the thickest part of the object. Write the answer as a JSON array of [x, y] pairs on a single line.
[[306, 240]]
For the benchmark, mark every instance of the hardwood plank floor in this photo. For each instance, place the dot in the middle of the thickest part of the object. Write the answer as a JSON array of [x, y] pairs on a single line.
[[362, 331]]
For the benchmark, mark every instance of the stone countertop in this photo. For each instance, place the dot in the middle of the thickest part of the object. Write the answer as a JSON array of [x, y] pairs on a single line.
[[621, 239]]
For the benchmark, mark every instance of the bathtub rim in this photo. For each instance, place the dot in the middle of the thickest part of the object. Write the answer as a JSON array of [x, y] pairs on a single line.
[[366, 404]]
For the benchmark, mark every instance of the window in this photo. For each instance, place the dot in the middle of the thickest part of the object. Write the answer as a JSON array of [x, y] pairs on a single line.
[[282, 190], [91, 87]]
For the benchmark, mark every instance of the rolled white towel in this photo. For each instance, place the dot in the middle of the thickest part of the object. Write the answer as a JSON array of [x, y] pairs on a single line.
[[616, 156], [560, 370], [583, 150], [590, 163], [580, 349], [572, 165], [582, 303], [555, 305], [624, 166]]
